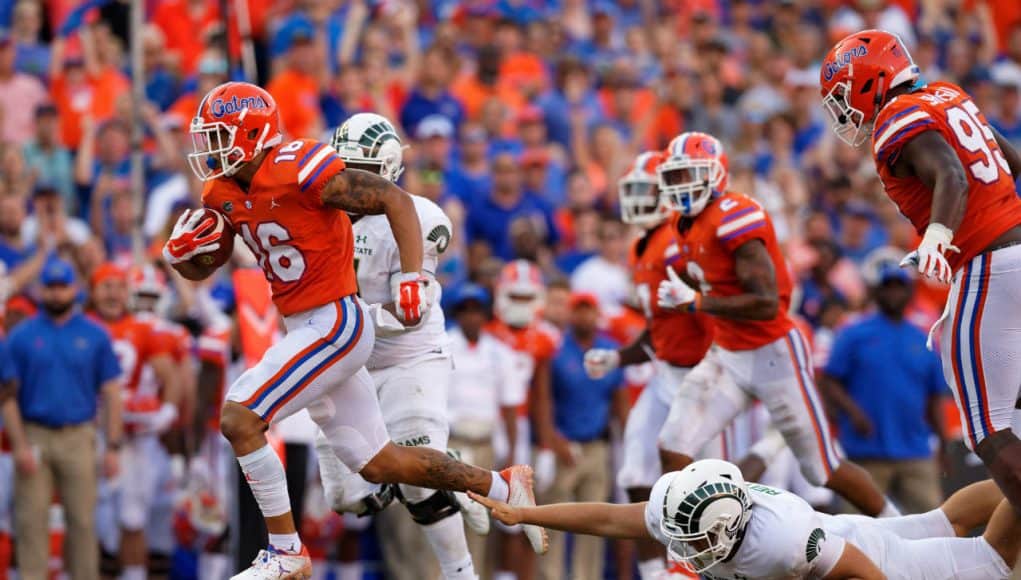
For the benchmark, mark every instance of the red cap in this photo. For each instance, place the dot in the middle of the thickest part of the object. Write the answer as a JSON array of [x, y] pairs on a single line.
[[107, 271], [534, 156], [583, 299]]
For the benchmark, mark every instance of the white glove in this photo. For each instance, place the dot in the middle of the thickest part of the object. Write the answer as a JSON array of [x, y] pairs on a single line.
[[411, 296], [600, 361], [158, 421], [545, 470], [930, 257], [673, 293], [185, 242]]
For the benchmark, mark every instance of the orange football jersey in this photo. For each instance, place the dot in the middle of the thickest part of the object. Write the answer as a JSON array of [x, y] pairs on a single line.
[[135, 342], [305, 248], [993, 204], [705, 252], [539, 340], [678, 338]]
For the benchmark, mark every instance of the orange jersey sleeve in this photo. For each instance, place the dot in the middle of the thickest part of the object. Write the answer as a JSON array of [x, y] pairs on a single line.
[[678, 338], [705, 254], [993, 204], [305, 248]]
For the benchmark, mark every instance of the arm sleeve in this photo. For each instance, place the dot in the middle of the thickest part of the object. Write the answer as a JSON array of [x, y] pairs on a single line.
[[823, 551], [896, 126], [316, 164], [744, 221], [839, 364]]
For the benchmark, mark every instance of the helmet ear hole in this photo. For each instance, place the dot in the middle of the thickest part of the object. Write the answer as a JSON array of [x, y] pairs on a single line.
[[865, 88], [253, 133]]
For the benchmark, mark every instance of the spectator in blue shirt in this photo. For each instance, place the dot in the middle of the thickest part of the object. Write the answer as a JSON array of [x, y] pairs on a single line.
[[888, 389], [582, 411], [63, 362], [489, 219], [431, 96]]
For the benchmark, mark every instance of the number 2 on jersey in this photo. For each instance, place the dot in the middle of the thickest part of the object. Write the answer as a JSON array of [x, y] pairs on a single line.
[[277, 259], [976, 137]]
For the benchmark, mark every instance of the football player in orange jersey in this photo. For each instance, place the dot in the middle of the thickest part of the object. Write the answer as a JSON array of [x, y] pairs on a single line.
[[952, 175], [150, 409], [289, 202], [727, 250], [519, 296]]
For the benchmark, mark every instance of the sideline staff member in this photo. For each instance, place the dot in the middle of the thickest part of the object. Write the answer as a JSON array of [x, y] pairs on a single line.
[[62, 361]]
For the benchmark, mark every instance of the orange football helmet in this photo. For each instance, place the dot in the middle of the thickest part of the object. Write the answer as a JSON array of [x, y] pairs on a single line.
[[640, 203], [695, 167], [856, 76], [234, 123], [520, 293]]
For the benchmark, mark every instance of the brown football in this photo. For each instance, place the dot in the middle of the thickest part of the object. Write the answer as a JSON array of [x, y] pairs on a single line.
[[219, 256]]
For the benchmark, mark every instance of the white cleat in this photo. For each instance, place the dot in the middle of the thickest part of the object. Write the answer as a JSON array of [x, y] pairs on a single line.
[[475, 514], [273, 565], [519, 480]]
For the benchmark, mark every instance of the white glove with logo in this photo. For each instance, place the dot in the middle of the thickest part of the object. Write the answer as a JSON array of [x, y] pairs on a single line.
[[600, 361], [930, 257], [185, 242], [545, 470], [411, 296], [674, 293]]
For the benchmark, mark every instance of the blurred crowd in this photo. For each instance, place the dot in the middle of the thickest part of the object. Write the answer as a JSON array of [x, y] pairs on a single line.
[[519, 117]]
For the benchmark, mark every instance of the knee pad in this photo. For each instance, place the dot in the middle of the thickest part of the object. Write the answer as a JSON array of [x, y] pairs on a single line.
[[438, 506]]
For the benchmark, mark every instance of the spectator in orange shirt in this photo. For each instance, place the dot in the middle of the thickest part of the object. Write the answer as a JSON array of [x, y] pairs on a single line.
[[185, 23], [474, 89], [296, 87]]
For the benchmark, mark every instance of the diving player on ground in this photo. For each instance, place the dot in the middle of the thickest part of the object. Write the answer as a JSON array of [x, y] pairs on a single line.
[[717, 525], [288, 202]]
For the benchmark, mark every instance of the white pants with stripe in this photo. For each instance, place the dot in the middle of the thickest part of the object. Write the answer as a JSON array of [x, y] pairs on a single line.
[[413, 398], [726, 382], [319, 365], [980, 343]]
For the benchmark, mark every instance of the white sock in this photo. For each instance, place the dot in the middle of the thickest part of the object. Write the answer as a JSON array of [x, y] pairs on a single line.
[[504, 575], [265, 475], [889, 510], [349, 571], [650, 569], [287, 543], [446, 537], [499, 490], [134, 572]]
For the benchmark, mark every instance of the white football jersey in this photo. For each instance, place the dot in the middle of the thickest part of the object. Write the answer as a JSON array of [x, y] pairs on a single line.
[[376, 259], [785, 537]]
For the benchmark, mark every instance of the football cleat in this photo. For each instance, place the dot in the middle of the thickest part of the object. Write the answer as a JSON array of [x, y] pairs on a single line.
[[273, 565], [519, 480]]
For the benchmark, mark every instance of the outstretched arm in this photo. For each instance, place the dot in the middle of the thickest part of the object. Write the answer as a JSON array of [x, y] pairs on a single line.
[[755, 273], [606, 520], [361, 192]]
